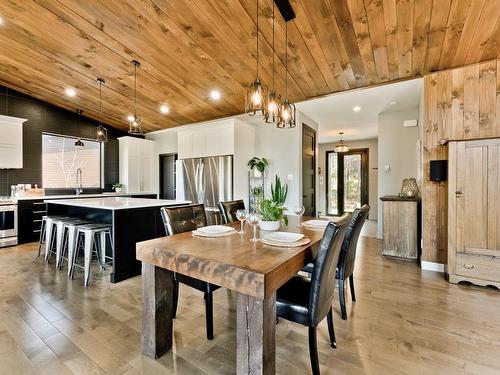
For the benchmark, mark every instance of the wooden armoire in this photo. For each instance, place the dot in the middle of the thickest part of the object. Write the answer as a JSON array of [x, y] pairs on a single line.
[[474, 212]]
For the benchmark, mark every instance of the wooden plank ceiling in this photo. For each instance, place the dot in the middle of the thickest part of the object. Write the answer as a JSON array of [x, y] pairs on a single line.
[[187, 48]]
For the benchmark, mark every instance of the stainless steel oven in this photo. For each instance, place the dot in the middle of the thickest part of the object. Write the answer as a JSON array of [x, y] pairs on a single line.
[[8, 223]]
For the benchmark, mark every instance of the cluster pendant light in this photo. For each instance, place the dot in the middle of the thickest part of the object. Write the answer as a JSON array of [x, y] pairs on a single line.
[[288, 112], [101, 132], [256, 94], [341, 147], [135, 122], [272, 113]]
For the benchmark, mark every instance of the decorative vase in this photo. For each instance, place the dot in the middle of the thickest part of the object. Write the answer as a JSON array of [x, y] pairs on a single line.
[[409, 188], [118, 190], [269, 225]]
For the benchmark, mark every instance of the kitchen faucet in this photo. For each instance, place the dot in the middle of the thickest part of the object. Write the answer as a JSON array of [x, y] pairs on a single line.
[[79, 182]]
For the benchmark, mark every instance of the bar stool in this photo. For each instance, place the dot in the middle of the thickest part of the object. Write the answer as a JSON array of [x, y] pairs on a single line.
[[88, 233], [47, 234], [66, 237]]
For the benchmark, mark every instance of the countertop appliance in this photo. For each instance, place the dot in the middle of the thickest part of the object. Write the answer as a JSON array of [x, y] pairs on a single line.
[[206, 180], [8, 221]]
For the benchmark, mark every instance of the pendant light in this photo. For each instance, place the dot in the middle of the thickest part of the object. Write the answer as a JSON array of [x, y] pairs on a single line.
[[101, 132], [78, 143], [341, 147], [274, 103], [257, 95], [287, 113], [135, 122]]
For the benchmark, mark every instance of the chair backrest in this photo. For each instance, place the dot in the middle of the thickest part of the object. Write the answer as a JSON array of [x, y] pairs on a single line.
[[179, 219], [228, 210], [323, 276], [348, 252]]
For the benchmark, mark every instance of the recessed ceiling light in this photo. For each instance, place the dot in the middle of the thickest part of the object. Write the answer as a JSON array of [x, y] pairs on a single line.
[[393, 102], [356, 108], [164, 109], [215, 94], [130, 118], [1, 20], [70, 92]]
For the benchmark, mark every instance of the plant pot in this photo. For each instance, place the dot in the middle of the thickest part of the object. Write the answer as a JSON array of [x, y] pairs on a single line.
[[118, 190], [257, 173], [269, 225]]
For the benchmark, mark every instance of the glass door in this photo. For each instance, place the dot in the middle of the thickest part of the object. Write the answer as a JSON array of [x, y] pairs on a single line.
[[347, 181]]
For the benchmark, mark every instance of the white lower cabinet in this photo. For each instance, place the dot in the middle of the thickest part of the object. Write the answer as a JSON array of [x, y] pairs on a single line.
[[136, 164]]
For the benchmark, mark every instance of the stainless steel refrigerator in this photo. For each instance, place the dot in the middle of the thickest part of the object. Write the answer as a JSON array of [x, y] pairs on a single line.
[[206, 180]]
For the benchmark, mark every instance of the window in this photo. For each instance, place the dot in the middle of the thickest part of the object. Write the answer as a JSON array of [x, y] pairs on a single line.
[[61, 159]]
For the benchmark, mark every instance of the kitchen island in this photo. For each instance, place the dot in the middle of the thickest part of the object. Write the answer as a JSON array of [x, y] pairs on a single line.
[[132, 220]]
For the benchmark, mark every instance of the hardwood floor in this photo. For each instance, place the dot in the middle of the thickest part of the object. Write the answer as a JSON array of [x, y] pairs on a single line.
[[405, 321]]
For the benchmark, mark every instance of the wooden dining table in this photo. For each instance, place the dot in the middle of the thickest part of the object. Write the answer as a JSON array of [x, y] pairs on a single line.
[[253, 270]]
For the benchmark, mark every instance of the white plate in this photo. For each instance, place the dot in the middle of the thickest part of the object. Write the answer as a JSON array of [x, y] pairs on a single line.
[[214, 229], [316, 223], [283, 237]]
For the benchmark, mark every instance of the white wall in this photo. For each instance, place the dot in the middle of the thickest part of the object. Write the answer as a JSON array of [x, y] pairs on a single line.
[[372, 146], [397, 149], [283, 149]]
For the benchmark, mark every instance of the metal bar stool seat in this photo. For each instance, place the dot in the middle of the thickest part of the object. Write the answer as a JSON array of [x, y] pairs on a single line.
[[94, 242], [66, 238], [47, 235]]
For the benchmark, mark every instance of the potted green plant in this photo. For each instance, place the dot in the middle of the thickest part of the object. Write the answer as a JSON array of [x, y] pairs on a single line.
[[271, 214], [118, 187], [279, 191], [258, 165], [272, 210]]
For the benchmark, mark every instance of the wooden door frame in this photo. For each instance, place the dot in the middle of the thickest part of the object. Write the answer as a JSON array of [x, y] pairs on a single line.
[[306, 127], [365, 183]]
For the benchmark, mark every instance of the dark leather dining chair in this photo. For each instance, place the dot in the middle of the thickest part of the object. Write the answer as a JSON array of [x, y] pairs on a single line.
[[345, 269], [179, 219], [347, 257], [307, 300], [228, 210]]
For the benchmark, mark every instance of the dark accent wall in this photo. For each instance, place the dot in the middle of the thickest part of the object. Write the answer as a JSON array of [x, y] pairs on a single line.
[[44, 117]]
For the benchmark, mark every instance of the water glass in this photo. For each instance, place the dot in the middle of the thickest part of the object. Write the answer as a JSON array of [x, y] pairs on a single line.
[[242, 215], [299, 211], [254, 220]]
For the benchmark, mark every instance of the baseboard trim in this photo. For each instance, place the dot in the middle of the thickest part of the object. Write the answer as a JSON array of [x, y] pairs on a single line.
[[432, 266]]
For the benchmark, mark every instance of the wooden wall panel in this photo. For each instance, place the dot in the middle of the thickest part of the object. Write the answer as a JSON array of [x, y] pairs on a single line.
[[463, 103]]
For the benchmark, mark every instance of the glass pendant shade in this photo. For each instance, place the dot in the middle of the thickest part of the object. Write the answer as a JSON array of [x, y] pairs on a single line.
[[256, 98], [273, 108], [135, 122], [287, 115], [341, 147], [135, 125], [101, 134]]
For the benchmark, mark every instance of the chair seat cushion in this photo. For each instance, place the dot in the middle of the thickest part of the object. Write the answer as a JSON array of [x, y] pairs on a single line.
[[292, 300], [200, 285]]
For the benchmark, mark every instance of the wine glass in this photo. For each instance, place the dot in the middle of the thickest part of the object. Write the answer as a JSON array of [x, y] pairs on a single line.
[[241, 215], [254, 220], [299, 211]]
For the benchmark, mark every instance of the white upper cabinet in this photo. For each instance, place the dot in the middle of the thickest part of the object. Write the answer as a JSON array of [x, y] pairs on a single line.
[[136, 164], [11, 142], [213, 139]]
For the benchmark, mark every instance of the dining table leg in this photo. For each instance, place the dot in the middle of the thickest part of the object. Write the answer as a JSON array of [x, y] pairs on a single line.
[[255, 335], [157, 312]]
